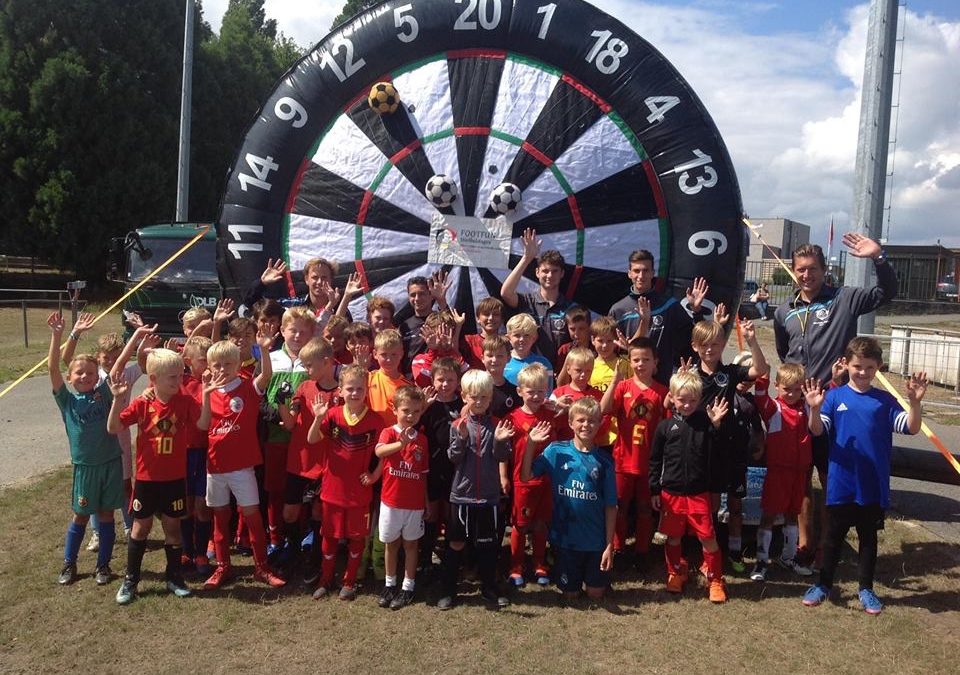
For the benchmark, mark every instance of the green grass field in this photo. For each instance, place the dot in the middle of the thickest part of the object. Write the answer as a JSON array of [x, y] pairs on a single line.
[[763, 628]]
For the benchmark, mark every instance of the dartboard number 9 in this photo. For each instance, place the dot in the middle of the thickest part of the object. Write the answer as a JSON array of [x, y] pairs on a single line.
[[430, 134]]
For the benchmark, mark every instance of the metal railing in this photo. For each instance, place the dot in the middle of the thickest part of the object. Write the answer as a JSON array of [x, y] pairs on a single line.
[[42, 297]]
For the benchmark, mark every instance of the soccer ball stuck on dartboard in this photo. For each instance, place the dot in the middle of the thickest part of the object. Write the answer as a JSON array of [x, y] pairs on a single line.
[[506, 198], [441, 191], [383, 98]]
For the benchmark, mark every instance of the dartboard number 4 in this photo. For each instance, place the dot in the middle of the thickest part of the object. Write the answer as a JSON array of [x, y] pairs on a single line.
[[707, 180], [487, 12], [706, 242], [409, 28], [261, 168], [659, 107], [350, 66], [289, 109], [607, 52], [547, 11]]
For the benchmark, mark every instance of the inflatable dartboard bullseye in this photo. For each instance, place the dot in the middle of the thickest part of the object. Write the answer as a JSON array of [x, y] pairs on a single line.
[[429, 134]]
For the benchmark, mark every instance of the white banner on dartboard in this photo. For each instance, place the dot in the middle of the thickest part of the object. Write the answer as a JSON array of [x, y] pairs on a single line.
[[470, 242]]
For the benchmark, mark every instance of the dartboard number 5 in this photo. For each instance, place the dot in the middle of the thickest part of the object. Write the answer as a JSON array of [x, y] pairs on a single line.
[[350, 66], [488, 12], [607, 52], [706, 242], [261, 168], [409, 28], [708, 180]]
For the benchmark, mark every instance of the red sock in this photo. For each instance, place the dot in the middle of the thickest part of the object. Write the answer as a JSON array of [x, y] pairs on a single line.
[[243, 534], [355, 554], [644, 531], [221, 529], [275, 517], [714, 564], [672, 553], [540, 550], [258, 538], [328, 547], [518, 544]]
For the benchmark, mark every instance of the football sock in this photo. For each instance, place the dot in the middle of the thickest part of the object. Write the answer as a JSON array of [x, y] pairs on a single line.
[[329, 546], [135, 550], [451, 570], [173, 571], [292, 532], [714, 562], [486, 555], [221, 529], [390, 580], [354, 555], [644, 530], [201, 537], [258, 538], [540, 549], [186, 536], [108, 536], [275, 517], [734, 544], [428, 543], [671, 552], [408, 584], [764, 537], [71, 547], [518, 543], [791, 535]]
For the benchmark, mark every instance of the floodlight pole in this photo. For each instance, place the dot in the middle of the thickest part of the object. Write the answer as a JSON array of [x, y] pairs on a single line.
[[873, 142], [186, 97]]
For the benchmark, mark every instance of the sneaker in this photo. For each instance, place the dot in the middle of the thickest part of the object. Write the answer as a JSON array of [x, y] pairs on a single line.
[[221, 575], [127, 592], [104, 575], [492, 595], [266, 575], [814, 596], [203, 567], [543, 577], [311, 575], [402, 599], [517, 580], [446, 602], [68, 574], [321, 592], [718, 591], [178, 588], [736, 562], [94, 543], [386, 596], [870, 602], [796, 566], [675, 582], [348, 593], [759, 572]]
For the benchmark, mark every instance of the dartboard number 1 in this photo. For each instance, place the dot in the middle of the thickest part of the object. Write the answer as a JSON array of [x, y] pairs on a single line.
[[547, 11], [350, 67], [261, 168], [489, 15], [607, 52]]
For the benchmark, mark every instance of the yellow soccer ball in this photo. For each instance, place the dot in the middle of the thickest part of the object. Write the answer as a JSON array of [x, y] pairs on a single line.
[[383, 98]]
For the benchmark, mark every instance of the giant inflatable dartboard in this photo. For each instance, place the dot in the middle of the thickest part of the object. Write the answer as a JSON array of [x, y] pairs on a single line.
[[608, 146]]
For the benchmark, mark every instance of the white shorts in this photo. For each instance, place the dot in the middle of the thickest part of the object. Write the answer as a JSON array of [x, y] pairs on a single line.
[[394, 523], [242, 483]]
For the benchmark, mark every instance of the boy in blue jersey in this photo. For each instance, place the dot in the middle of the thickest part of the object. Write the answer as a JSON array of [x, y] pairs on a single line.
[[584, 487], [95, 454], [860, 422], [522, 333]]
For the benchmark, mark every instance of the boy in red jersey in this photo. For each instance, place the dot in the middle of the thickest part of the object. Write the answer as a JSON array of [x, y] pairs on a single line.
[[489, 323], [531, 499], [578, 325], [406, 459], [637, 404], [577, 370], [243, 333], [305, 460], [789, 458], [165, 421], [439, 332], [351, 432], [196, 527], [231, 406]]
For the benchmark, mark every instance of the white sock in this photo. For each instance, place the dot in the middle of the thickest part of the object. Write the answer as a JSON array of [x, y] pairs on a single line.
[[390, 581], [764, 537], [408, 584], [791, 535], [734, 544]]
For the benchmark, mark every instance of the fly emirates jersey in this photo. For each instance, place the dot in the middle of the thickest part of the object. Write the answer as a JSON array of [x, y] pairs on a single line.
[[232, 442]]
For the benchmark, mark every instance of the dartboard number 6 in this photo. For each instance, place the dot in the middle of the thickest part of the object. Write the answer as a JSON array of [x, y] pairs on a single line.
[[706, 242], [607, 52], [708, 180], [261, 168], [350, 66], [487, 12], [409, 28]]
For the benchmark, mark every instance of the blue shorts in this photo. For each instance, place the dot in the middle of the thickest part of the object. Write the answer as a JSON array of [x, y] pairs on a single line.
[[196, 472], [573, 569]]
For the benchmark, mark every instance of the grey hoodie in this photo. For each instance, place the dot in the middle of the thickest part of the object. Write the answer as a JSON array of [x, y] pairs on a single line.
[[476, 479]]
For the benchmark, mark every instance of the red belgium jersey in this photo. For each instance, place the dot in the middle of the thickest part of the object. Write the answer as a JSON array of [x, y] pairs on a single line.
[[638, 411], [306, 459], [564, 432], [523, 422], [347, 451], [232, 438], [163, 433], [405, 472]]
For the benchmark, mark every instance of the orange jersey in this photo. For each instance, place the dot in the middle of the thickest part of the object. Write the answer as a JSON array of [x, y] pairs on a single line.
[[380, 391]]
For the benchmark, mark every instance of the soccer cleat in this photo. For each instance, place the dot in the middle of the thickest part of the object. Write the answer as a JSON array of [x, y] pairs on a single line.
[[321, 592], [543, 577], [386, 596], [402, 599], [348, 593], [759, 572], [203, 566], [266, 575], [517, 580], [127, 592], [94, 543], [718, 591], [815, 595], [492, 595], [178, 588], [675, 583], [104, 575], [221, 575], [68, 574], [870, 602], [796, 566], [446, 602], [736, 562]]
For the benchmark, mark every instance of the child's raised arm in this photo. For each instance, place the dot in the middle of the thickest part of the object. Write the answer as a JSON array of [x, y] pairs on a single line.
[[759, 366], [209, 386], [118, 387], [606, 403], [55, 322], [814, 397], [531, 249], [262, 380], [916, 388], [83, 324], [320, 408], [132, 345], [537, 435]]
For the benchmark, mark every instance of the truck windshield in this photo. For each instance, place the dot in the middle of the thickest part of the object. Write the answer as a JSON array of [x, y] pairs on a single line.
[[198, 263]]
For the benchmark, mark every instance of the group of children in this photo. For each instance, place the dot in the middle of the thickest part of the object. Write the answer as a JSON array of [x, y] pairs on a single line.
[[341, 429]]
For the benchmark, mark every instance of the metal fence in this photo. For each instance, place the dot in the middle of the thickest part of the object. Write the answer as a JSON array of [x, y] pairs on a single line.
[[25, 298]]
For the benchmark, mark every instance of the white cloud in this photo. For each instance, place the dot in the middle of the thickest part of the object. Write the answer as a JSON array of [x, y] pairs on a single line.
[[306, 22]]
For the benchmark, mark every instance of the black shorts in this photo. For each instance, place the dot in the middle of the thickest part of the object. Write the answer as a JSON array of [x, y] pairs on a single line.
[[476, 523], [820, 446], [150, 497], [573, 569], [300, 489], [438, 486]]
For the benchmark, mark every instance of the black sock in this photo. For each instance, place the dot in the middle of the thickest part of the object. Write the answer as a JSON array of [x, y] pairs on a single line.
[[187, 528], [201, 535], [451, 570], [135, 550], [486, 558], [173, 552], [292, 532]]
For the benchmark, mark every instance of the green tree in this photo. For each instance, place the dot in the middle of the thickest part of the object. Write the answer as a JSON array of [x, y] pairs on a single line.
[[351, 8]]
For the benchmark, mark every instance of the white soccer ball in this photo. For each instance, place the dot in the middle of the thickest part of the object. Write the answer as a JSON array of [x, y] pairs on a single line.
[[441, 191], [506, 198]]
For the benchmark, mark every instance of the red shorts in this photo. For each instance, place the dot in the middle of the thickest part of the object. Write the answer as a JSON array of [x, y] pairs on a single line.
[[783, 490], [682, 513], [632, 486], [532, 503], [345, 522], [275, 467]]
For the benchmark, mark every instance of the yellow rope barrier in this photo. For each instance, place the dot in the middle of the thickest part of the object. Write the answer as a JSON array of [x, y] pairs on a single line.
[[109, 309]]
